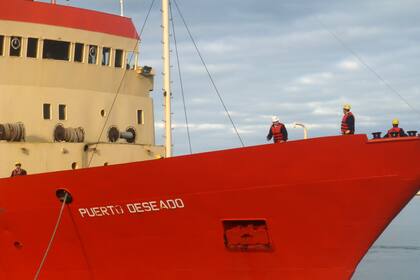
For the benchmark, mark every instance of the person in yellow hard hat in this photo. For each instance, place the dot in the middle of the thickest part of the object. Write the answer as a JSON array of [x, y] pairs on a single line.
[[347, 123], [395, 131], [18, 171]]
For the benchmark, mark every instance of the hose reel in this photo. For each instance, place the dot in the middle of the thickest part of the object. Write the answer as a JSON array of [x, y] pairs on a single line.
[[69, 134], [114, 134], [12, 132]]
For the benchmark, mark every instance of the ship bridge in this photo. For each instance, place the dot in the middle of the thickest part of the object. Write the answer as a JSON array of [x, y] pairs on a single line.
[[70, 80]]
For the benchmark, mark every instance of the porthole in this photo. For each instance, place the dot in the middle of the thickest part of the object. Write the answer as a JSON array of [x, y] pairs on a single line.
[[103, 113], [106, 164], [74, 165]]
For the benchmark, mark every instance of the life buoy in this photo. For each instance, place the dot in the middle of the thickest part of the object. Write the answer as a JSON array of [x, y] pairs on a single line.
[[92, 51], [15, 43]]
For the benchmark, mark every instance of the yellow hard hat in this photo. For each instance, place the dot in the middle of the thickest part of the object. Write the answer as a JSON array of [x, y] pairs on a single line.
[[347, 106], [18, 163], [395, 121]]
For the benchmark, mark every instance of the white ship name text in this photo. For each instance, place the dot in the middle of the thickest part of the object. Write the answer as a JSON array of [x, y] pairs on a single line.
[[132, 208]]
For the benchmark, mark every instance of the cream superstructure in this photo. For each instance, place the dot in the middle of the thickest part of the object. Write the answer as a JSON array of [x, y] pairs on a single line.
[[55, 89]]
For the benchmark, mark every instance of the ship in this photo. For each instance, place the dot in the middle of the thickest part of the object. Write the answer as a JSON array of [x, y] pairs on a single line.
[[103, 201]]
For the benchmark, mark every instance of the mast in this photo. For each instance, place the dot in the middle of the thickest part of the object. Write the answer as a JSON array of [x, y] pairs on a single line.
[[122, 8], [166, 77]]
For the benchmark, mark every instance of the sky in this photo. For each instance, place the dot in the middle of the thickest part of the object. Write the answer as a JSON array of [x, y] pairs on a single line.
[[300, 60]]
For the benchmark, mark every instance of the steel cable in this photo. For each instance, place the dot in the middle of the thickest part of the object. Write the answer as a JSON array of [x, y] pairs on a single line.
[[180, 78], [367, 66], [120, 85], [209, 74]]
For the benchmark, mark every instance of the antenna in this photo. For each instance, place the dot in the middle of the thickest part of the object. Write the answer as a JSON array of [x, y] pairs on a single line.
[[122, 7]]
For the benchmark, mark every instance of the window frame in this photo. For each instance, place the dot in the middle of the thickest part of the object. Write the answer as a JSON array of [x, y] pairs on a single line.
[[64, 112], [46, 107], [121, 62], [20, 46], [82, 58], [109, 56], [131, 55], [140, 117], [2, 40], [36, 47], [44, 56], [90, 46]]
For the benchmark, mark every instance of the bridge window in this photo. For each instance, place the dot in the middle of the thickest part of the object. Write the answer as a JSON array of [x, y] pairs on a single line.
[[47, 111], [62, 110], [58, 50], [1, 44], [131, 60], [140, 117], [118, 58], [32, 47], [78, 52], [106, 56], [15, 46], [93, 54]]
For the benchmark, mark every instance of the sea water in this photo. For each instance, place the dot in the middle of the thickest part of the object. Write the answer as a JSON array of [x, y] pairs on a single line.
[[396, 254]]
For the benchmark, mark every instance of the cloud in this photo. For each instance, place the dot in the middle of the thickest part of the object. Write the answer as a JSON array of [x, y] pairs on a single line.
[[220, 47], [195, 126], [315, 79], [349, 65], [280, 58]]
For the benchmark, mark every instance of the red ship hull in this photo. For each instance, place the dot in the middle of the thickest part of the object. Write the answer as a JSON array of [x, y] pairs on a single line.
[[298, 210]]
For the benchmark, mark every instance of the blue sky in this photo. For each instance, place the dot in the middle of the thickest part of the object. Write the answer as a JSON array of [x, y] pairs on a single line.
[[279, 57]]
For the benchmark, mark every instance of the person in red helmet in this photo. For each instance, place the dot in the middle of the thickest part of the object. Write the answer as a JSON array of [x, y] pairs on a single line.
[[277, 131]]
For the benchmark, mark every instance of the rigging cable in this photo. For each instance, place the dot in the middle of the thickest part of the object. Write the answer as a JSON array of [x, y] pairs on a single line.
[[120, 84], [57, 224], [180, 78], [366, 65], [112, 107], [208, 73], [146, 18]]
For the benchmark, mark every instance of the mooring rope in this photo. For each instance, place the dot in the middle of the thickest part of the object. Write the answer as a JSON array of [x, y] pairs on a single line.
[[44, 258]]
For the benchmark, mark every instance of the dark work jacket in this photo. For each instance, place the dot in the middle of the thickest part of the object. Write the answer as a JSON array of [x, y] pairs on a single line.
[[21, 172]]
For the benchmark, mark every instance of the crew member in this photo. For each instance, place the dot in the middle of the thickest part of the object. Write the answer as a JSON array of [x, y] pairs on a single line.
[[18, 171], [277, 131], [347, 123], [397, 131]]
